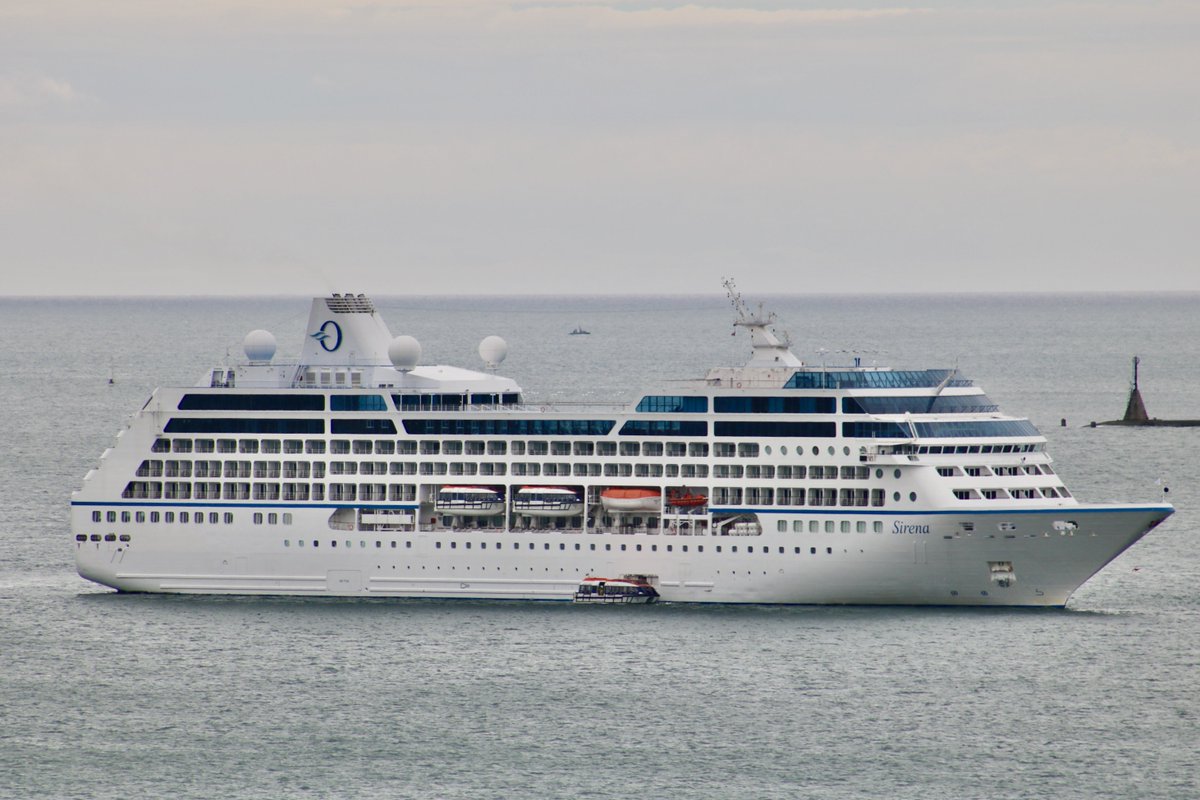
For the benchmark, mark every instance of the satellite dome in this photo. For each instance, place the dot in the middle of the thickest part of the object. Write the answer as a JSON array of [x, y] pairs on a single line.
[[259, 345], [405, 352], [493, 350]]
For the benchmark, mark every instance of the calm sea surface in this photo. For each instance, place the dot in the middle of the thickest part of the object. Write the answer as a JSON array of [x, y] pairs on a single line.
[[114, 696]]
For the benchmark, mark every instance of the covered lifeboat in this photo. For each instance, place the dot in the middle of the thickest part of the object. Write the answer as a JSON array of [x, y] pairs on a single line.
[[626, 499], [547, 501]]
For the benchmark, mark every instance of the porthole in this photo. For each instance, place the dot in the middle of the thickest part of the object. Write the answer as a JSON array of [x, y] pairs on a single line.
[[896, 496], [782, 452], [831, 450], [912, 496], [816, 450], [845, 451], [878, 473], [897, 474]]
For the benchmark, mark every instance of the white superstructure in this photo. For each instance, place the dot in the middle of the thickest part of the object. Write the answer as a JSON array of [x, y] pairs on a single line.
[[357, 471]]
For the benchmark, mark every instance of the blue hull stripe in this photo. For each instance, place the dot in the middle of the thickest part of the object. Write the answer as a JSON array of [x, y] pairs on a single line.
[[819, 511], [1065, 511]]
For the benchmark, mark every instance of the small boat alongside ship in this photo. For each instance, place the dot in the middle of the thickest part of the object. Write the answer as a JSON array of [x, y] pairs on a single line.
[[629, 589]]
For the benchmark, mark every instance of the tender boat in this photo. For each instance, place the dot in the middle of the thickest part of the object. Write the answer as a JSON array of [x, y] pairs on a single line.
[[547, 501], [630, 589], [470, 501]]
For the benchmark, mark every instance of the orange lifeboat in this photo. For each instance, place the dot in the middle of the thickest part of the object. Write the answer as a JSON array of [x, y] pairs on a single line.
[[631, 499], [686, 499]]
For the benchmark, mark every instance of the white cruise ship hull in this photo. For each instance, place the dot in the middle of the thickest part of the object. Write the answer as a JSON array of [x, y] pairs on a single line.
[[356, 471], [1043, 565]]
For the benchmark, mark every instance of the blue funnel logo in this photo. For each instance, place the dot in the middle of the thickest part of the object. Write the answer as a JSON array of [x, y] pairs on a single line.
[[329, 335]]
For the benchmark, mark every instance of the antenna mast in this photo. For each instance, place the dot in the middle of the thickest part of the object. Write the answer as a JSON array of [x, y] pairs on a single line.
[[745, 319], [769, 348]]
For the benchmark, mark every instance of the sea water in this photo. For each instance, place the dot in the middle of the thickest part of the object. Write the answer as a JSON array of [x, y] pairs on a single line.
[[120, 696]]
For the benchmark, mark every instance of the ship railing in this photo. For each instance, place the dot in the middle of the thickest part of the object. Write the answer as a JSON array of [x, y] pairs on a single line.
[[888, 453], [550, 406]]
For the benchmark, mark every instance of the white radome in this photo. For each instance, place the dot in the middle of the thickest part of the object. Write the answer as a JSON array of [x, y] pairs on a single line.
[[404, 352], [259, 345], [493, 350]]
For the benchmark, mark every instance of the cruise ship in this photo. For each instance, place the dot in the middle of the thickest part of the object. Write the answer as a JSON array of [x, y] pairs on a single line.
[[358, 471]]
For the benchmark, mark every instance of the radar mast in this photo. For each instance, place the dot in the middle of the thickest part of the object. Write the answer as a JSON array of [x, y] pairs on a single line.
[[769, 349]]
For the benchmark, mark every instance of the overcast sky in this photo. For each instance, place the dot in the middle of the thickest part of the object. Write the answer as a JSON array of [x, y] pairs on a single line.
[[300, 147]]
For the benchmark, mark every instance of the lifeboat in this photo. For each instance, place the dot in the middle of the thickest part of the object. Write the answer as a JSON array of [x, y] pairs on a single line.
[[686, 499], [470, 501], [631, 499], [547, 501]]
